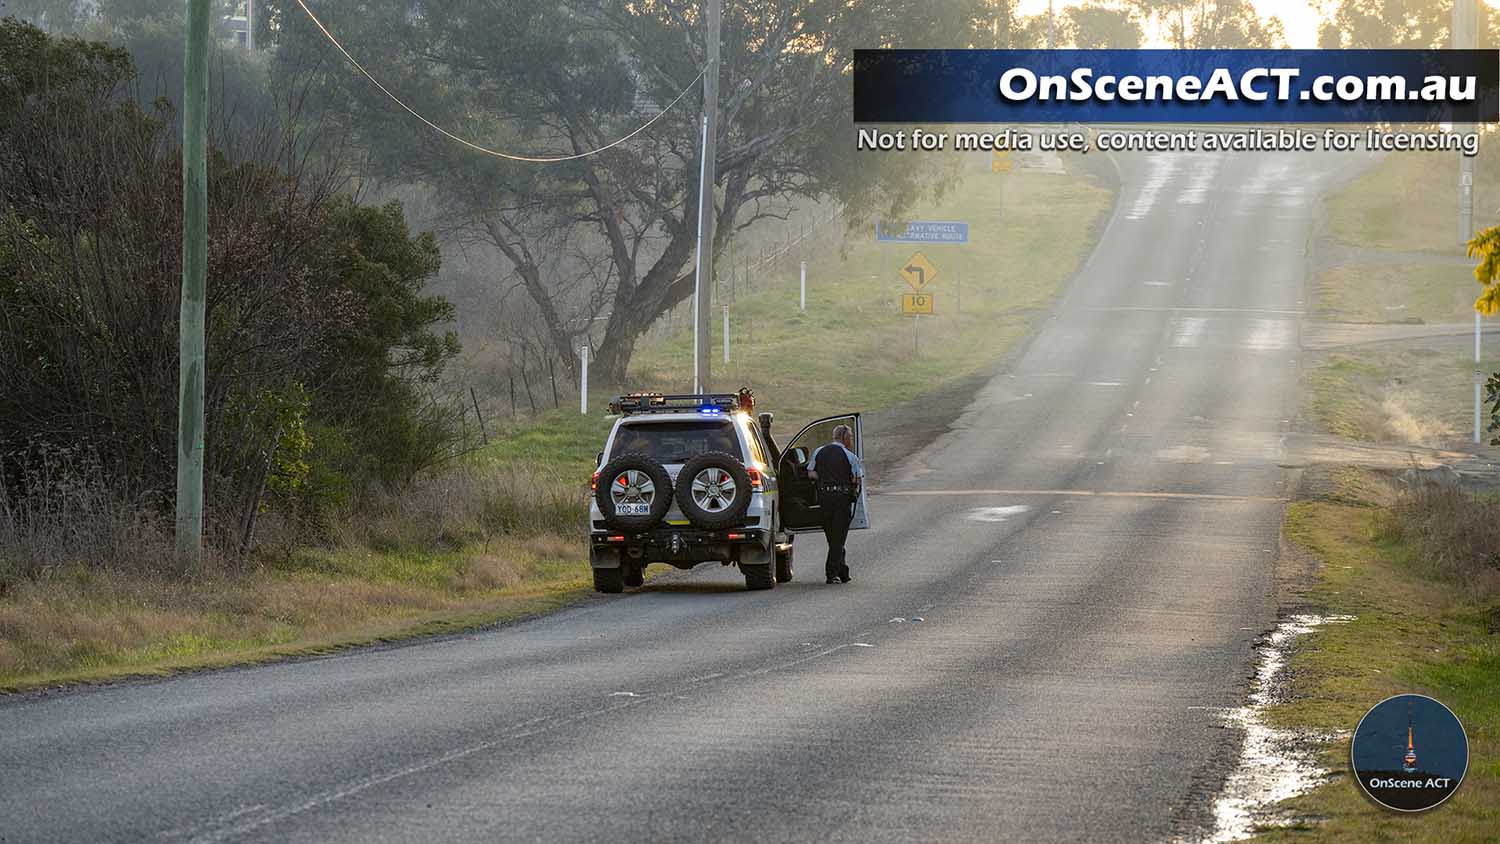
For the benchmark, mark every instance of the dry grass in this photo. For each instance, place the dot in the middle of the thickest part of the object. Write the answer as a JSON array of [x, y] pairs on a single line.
[[1406, 422], [1418, 392], [90, 591], [471, 502], [1451, 533], [72, 516], [81, 623]]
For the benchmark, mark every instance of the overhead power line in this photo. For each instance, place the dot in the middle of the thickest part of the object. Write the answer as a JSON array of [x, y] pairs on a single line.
[[549, 159]]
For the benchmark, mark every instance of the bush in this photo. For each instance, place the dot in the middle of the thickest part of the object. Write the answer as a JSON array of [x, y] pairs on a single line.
[[466, 503], [72, 515], [1454, 532], [323, 354]]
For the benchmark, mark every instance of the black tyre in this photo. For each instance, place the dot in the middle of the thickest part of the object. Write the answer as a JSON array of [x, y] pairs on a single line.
[[758, 576], [634, 576], [784, 565], [609, 581], [633, 480], [713, 490]]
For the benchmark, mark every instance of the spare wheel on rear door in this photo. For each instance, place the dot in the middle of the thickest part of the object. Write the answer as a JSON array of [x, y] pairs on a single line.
[[713, 490], [634, 492]]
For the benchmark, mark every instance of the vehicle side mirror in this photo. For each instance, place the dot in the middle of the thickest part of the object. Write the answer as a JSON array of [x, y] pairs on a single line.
[[798, 456], [765, 421], [599, 459]]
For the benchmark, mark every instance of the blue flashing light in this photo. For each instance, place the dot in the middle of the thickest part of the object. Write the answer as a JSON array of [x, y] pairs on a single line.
[[710, 410]]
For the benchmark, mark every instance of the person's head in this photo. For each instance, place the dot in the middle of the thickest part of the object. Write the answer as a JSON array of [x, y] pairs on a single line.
[[844, 435]]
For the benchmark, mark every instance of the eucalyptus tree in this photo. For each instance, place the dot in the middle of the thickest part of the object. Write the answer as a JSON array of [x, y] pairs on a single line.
[[607, 239]]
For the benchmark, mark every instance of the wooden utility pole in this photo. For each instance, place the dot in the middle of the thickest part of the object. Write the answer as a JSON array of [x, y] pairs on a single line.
[[194, 269], [704, 273]]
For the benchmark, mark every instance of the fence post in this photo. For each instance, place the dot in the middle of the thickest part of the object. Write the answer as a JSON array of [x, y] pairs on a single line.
[[583, 382], [802, 298], [726, 335], [480, 416]]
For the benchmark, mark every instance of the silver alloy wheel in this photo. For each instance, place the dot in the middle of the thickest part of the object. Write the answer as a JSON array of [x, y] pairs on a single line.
[[713, 489], [632, 485]]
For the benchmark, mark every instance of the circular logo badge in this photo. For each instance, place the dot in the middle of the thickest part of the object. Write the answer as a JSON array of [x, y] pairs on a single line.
[[1409, 753]]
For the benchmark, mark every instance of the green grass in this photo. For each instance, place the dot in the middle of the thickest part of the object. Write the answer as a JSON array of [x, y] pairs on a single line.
[[1409, 202], [563, 440], [1340, 397], [1415, 392], [83, 625], [1412, 633], [1378, 293]]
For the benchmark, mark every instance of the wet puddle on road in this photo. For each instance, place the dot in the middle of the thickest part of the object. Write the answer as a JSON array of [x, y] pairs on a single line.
[[997, 514], [1273, 764]]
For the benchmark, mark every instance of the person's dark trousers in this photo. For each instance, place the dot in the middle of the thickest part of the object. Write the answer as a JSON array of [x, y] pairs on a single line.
[[837, 514]]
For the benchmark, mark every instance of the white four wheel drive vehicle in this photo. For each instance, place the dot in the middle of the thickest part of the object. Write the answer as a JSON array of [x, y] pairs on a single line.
[[691, 479]]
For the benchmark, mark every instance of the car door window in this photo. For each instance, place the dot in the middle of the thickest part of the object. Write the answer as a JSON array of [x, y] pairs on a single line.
[[799, 501], [820, 433]]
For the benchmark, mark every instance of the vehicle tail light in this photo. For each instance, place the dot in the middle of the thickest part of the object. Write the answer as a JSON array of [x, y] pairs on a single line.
[[594, 483], [617, 538], [734, 536], [754, 473]]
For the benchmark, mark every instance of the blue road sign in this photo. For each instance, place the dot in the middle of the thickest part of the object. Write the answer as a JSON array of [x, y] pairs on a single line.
[[925, 231]]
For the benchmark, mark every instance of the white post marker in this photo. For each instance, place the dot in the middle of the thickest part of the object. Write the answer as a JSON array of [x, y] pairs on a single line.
[[1478, 376], [802, 298], [583, 379], [726, 334]]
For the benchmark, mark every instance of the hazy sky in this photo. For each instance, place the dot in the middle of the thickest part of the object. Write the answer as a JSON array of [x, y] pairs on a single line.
[[1298, 19]]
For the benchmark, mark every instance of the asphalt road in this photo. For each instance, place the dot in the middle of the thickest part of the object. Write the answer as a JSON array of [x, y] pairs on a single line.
[[1058, 593]]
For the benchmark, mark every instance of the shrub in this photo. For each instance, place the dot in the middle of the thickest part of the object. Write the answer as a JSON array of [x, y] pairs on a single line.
[[70, 513], [323, 353], [1454, 532]]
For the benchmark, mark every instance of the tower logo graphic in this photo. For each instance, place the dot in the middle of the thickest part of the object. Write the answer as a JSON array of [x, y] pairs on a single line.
[[1391, 771]]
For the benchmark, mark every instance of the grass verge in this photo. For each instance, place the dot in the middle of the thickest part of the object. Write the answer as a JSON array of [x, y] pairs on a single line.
[[1409, 203], [83, 625], [1416, 392], [498, 537], [1414, 631], [1397, 293]]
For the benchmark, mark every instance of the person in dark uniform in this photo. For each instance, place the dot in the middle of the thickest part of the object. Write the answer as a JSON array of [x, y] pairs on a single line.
[[838, 473]]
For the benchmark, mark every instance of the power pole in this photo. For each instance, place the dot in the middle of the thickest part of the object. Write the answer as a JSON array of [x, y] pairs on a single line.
[[1465, 37], [194, 269], [1465, 32], [704, 273], [249, 26], [1051, 26]]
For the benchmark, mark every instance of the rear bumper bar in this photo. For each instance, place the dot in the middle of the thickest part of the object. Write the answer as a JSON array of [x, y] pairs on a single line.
[[674, 544]]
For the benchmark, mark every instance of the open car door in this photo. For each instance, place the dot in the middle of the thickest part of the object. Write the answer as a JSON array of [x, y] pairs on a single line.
[[800, 512]]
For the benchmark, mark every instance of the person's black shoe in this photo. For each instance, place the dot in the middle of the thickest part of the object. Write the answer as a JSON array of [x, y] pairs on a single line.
[[832, 579], [845, 577]]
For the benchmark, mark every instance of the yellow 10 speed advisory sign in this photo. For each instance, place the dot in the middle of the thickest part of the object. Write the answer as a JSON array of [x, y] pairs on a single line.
[[916, 303]]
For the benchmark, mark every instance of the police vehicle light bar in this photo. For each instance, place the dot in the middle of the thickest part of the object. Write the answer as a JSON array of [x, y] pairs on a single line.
[[634, 403]]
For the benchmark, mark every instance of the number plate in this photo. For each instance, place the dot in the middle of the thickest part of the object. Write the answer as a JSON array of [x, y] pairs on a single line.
[[626, 508]]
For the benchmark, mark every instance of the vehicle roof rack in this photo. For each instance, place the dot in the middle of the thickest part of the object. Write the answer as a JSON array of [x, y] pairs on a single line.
[[632, 404]]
